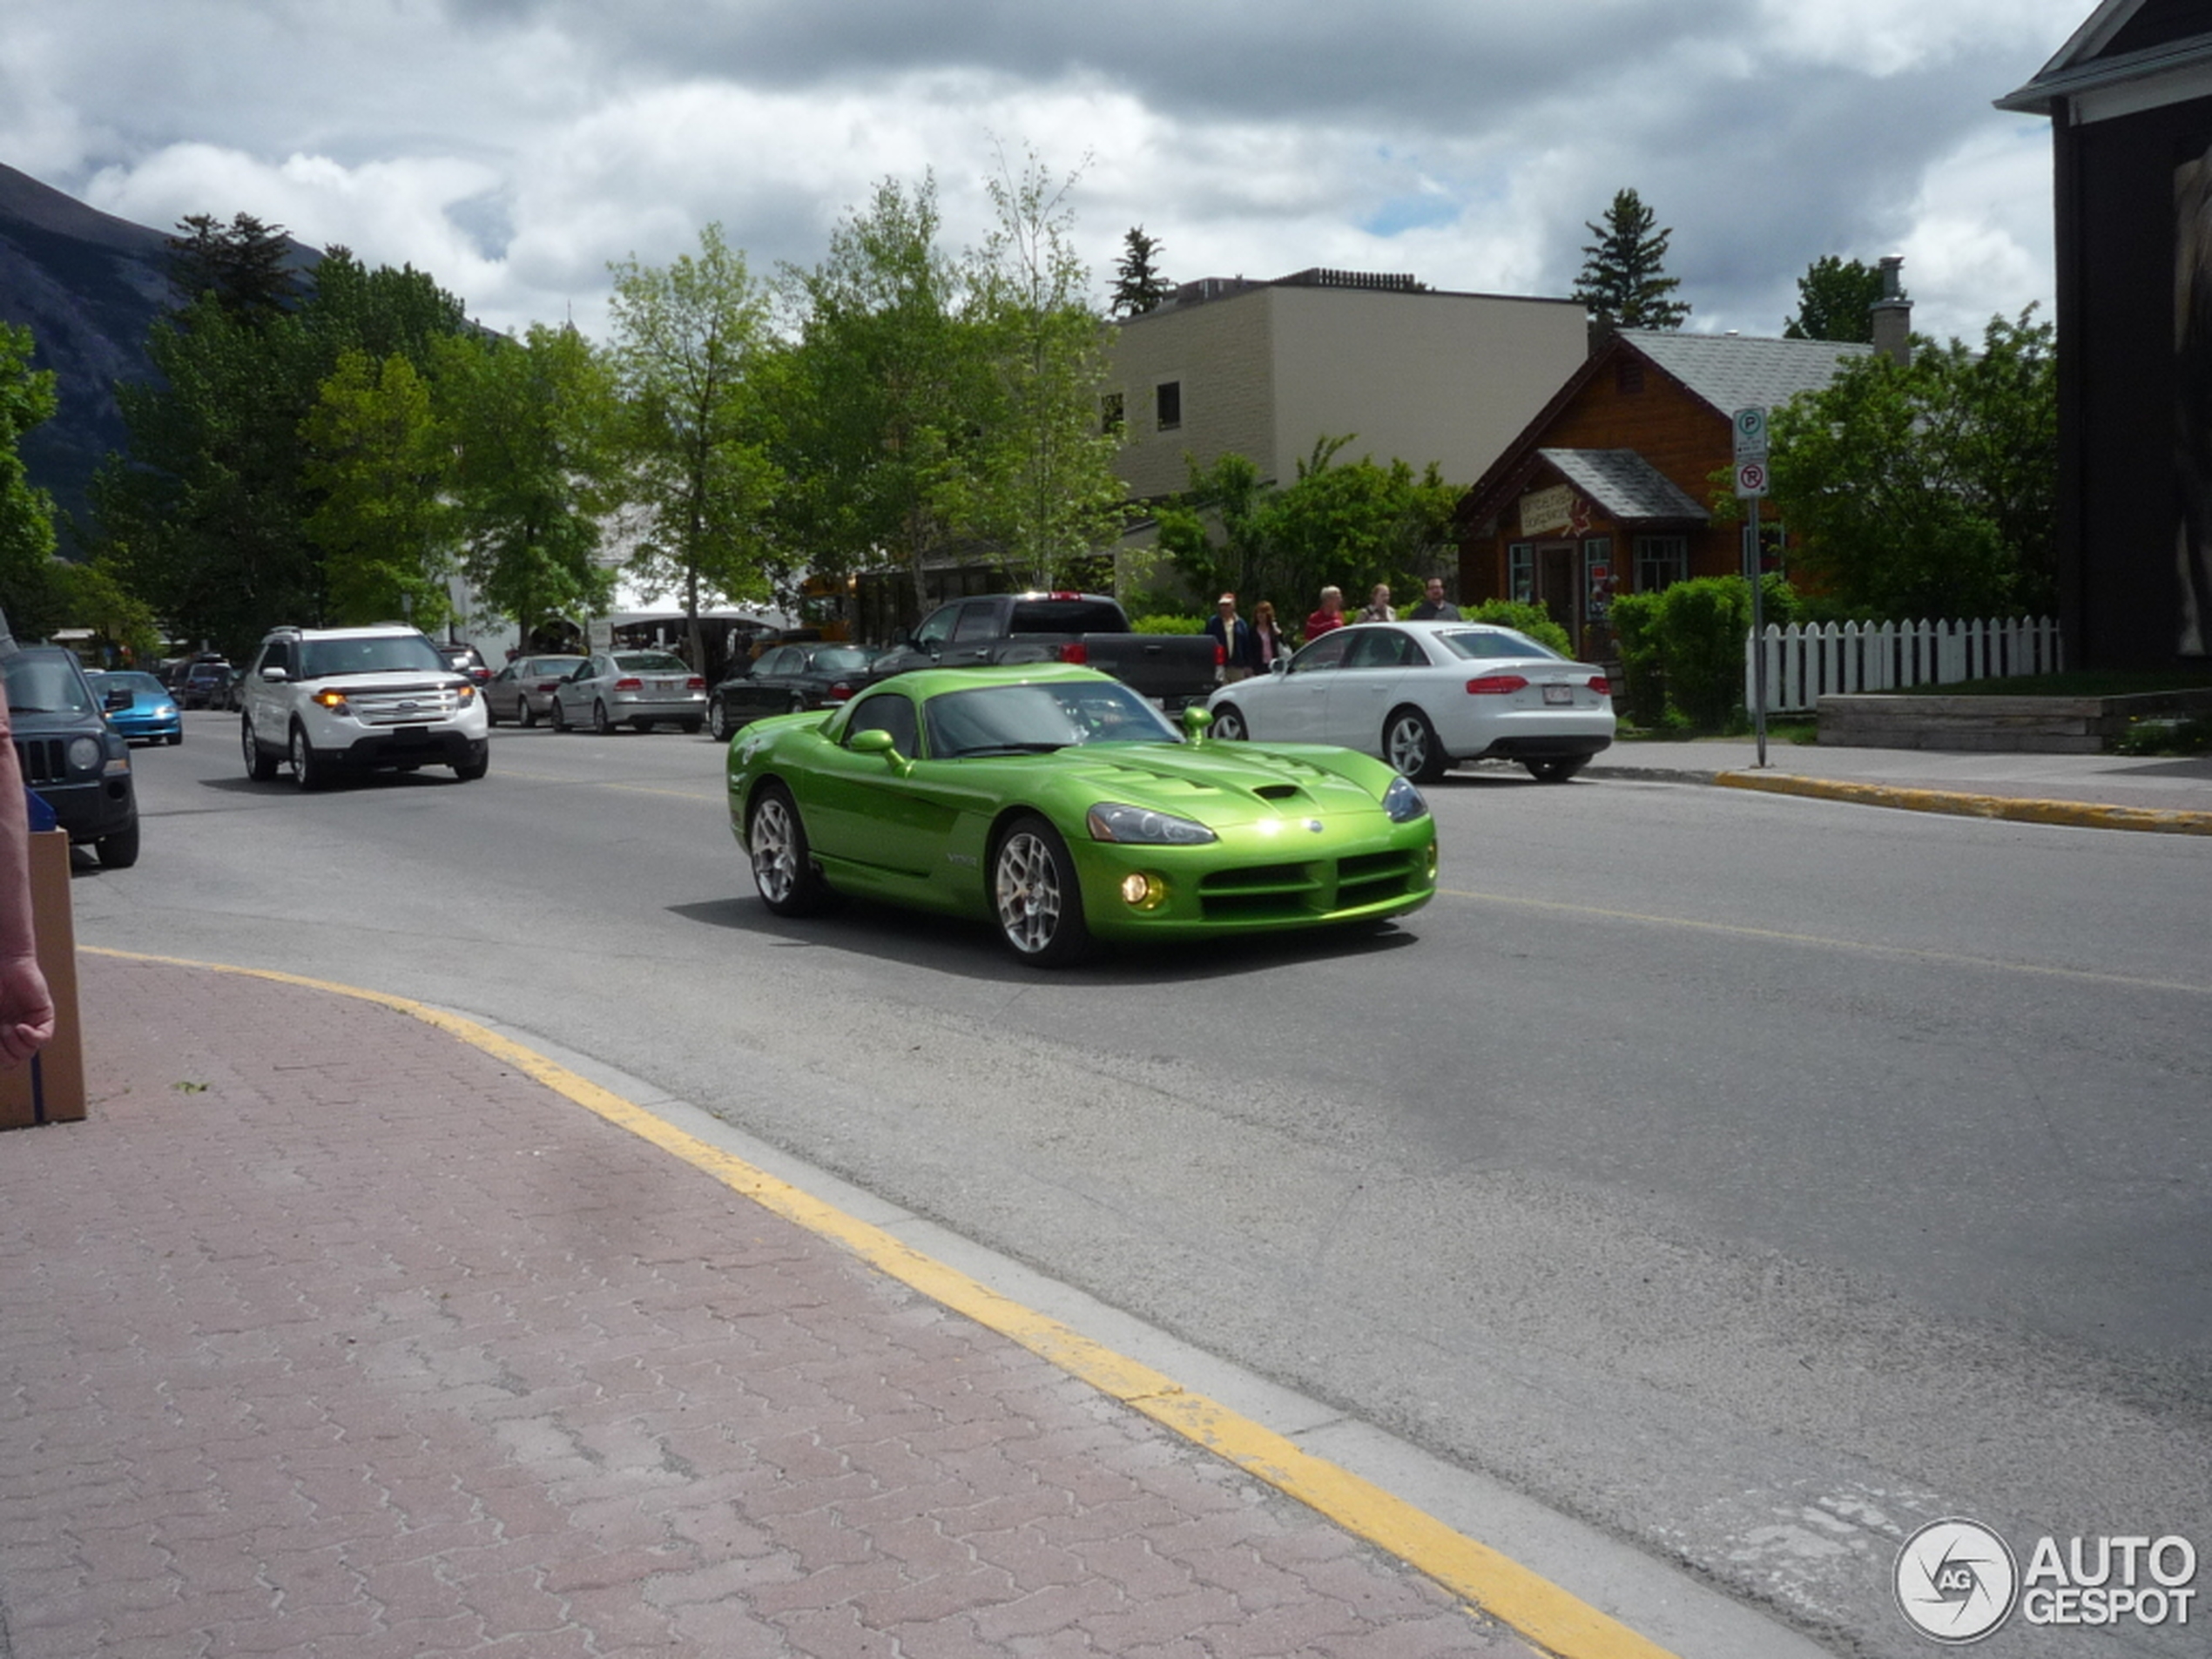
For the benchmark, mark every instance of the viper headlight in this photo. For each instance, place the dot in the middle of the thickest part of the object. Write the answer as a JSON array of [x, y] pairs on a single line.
[[1141, 827], [1403, 802]]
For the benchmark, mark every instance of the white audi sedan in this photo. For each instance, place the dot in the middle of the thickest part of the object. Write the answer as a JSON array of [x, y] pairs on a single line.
[[1426, 695]]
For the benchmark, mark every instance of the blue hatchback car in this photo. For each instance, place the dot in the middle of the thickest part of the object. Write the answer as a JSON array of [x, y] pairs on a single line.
[[139, 706]]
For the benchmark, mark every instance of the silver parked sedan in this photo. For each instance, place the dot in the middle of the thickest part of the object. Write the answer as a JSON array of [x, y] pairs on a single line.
[[640, 688], [1424, 694], [522, 691]]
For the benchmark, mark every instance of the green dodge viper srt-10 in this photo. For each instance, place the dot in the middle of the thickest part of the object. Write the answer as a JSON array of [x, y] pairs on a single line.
[[1057, 803]]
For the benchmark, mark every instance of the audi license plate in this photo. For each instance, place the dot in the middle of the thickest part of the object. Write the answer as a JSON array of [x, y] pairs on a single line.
[[1559, 694]]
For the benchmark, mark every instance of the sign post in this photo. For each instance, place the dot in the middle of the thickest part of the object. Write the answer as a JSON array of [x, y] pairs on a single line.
[[1750, 486]]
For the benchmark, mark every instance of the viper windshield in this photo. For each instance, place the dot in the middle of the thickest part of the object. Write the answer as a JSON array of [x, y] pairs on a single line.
[[1037, 720]]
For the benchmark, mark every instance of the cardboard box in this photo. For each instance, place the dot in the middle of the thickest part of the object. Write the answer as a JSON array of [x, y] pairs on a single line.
[[50, 1089]]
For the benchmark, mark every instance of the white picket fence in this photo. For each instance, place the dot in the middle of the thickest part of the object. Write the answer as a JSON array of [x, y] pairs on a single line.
[[1802, 663]]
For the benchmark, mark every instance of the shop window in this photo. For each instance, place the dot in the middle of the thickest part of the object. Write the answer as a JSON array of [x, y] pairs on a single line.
[[1521, 572], [1597, 577], [1661, 561]]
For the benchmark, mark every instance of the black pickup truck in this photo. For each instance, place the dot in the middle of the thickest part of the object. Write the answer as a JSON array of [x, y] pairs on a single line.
[[1086, 628]]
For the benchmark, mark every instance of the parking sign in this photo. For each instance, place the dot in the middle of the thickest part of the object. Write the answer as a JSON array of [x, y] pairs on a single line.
[[1750, 433]]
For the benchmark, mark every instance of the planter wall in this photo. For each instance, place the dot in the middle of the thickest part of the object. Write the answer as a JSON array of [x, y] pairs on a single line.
[[2039, 724]]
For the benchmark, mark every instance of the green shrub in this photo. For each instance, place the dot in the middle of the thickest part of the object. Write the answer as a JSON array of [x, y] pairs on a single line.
[[2191, 735], [1533, 620], [1165, 624], [1696, 631], [1635, 636], [1702, 625]]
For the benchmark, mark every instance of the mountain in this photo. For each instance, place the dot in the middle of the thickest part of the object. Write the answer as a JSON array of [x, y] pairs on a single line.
[[89, 285]]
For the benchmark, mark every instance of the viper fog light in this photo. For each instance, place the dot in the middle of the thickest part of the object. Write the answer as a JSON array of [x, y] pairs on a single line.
[[1142, 891]]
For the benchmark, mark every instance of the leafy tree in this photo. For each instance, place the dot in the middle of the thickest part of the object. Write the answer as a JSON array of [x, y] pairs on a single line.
[[244, 264], [1928, 490], [1623, 283], [379, 459], [206, 518], [688, 340], [1230, 496], [1039, 482], [1348, 525], [28, 590], [1835, 301], [884, 392], [94, 597], [532, 427], [1139, 286]]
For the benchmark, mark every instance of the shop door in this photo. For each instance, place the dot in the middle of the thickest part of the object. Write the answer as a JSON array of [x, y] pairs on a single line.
[[1558, 586]]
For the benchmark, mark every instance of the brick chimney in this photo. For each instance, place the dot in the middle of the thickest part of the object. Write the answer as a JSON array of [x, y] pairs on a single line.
[[1893, 316]]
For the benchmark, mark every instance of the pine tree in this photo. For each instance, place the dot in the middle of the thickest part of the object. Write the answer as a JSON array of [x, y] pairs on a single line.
[[242, 264], [1139, 286], [1623, 284]]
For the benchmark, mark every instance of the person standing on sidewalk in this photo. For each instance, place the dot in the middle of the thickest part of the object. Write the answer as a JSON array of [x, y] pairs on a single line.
[[1239, 653], [1267, 636], [26, 1004], [1434, 607], [1329, 617], [1378, 607]]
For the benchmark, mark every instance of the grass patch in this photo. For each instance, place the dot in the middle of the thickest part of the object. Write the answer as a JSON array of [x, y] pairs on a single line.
[[2085, 682]]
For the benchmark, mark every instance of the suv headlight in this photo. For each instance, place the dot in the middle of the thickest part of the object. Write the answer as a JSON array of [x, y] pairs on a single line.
[[85, 754], [1403, 802], [333, 700], [1141, 827]]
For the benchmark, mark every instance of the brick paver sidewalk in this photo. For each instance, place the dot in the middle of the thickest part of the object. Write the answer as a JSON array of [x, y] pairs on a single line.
[[329, 1334]]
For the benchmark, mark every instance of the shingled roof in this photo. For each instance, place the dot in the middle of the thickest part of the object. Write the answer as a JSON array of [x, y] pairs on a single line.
[[1627, 486], [1733, 372]]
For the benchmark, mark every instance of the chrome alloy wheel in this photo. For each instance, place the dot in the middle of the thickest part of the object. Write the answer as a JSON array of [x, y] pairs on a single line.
[[1028, 893], [775, 850]]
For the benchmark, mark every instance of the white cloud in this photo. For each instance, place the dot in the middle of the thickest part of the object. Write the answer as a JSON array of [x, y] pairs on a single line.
[[511, 148]]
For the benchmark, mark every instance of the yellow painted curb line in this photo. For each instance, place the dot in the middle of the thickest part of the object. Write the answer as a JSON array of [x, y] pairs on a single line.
[[1501, 1587], [2081, 814]]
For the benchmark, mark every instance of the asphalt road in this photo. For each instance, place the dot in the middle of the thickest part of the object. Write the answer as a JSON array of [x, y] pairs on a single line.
[[1755, 1177]]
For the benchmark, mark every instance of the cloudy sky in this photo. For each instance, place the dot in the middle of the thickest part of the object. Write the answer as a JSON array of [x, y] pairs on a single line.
[[511, 148]]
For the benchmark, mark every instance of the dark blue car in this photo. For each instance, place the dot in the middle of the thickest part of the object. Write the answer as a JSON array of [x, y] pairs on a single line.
[[72, 758]]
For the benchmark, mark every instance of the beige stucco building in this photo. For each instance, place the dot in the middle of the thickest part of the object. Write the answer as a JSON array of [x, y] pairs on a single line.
[[1268, 370]]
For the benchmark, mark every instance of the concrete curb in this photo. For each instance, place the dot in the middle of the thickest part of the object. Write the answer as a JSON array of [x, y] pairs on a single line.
[[2077, 813], [1654, 775]]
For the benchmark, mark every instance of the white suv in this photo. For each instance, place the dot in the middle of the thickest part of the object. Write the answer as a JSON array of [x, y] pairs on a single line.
[[324, 698]]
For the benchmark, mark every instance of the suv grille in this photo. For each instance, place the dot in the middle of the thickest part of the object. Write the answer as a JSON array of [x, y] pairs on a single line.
[[403, 705], [44, 760]]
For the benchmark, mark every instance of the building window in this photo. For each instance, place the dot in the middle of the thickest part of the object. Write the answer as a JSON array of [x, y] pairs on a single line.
[[1597, 577], [1521, 573], [1109, 414], [1167, 405], [1628, 375], [1661, 561]]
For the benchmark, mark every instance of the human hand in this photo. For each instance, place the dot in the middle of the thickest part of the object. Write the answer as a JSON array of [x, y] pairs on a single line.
[[26, 1010]]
